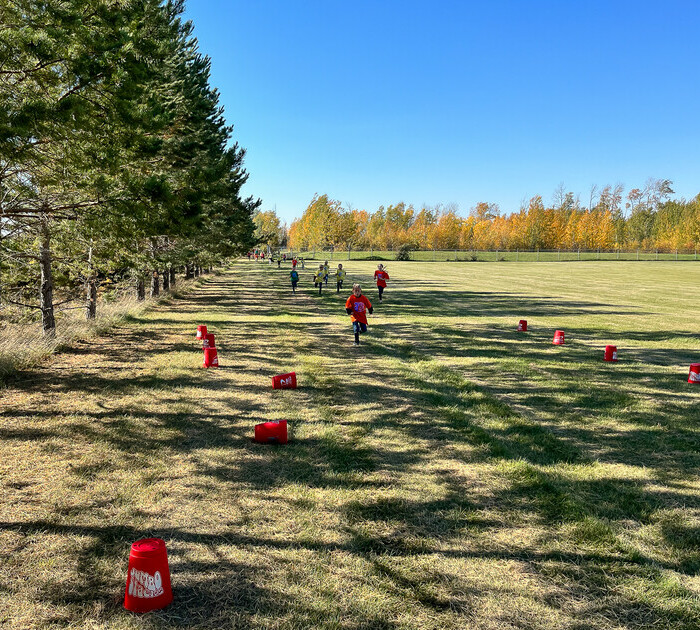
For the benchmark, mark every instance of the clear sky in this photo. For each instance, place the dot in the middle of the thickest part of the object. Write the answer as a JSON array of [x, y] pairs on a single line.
[[440, 101]]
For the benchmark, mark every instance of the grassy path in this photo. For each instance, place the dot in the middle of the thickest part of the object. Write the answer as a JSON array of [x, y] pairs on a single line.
[[448, 473]]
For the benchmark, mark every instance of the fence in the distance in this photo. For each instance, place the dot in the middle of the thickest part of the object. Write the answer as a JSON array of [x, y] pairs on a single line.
[[466, 255]]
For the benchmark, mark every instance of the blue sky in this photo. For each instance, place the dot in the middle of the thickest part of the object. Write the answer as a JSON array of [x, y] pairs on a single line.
[[445, 102]]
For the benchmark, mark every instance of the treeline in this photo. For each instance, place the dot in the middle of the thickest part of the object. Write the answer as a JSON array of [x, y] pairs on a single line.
[[115, 159], [649, 220]]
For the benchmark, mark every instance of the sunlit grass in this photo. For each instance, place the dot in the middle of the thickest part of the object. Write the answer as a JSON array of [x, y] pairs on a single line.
[[448, 473]]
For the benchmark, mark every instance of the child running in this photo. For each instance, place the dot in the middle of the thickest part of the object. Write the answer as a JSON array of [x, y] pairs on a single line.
[[381, 276], [294, 277], [339, 277], [326, 271], [356, 306], [318, 278]]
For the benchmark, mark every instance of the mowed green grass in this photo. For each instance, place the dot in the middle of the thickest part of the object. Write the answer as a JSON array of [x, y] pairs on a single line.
[[448, 473]]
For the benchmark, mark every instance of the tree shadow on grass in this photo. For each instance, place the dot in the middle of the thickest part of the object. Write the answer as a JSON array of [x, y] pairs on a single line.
[[111, 380], [445, 409]]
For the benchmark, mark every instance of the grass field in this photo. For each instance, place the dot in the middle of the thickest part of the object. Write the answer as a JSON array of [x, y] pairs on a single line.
[[449, 473]]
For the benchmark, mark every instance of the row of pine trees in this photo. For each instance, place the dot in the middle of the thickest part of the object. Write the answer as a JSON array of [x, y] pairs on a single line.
[[645, 218], [115, 160]]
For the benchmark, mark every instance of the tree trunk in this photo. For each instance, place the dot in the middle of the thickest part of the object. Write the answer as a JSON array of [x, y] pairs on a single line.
[[155, 284], [166, 280], [188, 272], [140, 289], [172, 277], [48, 320], [91, 292], [91, 296], [196, 271]]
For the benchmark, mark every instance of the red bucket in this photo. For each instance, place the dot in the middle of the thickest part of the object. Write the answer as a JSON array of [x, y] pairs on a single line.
[[694, 374], [208, 341], [271, 432], [148, 579], [558, 338], [285, 381], [610, 353], [201, 332], [522, 325], [211, 358]]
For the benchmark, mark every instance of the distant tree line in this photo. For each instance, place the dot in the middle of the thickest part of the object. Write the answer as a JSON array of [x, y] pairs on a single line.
[[115, 159], [645, 218]]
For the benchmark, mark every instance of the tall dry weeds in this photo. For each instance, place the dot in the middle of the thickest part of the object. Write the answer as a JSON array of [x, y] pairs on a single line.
[[23, 345]]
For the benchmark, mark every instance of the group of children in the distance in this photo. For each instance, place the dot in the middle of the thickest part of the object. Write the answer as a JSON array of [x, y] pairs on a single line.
[[357, 304]]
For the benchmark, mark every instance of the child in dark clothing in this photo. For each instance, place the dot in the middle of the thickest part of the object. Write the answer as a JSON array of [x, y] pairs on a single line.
[[356, 306], [294, 277]]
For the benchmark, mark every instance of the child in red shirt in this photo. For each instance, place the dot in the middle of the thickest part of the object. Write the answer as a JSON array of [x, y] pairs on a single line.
[[356, 306], [381, 276]]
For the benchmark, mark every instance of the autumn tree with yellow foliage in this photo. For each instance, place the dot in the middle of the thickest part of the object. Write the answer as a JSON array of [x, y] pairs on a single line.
[[652, 221]]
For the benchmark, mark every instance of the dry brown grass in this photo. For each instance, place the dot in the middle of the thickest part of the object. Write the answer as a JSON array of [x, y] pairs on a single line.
[[22, 345], [446, 474]]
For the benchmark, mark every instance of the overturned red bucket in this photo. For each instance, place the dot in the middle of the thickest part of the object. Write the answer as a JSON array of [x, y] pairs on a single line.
[[211, 358], [558, 338], [208, 341], [271, 432], [285, 381], [610, 353], [522, 325], [694, 374], [148, 579], [201, 332]]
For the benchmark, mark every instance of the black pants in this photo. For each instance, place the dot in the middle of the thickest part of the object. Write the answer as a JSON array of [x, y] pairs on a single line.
[[381, 290], [340, 285]]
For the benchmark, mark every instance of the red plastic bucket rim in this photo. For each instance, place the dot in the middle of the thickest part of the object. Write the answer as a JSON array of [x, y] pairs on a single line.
[[271, 423], [148, 547]]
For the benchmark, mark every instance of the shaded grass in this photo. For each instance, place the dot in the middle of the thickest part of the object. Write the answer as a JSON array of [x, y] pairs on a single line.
[[23, 345], [448, 473]]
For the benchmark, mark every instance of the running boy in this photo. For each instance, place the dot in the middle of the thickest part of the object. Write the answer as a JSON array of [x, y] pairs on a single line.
[[326, 271], [356, 306], [339, 277], [318, 278], [381, 276], [294, 277]]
